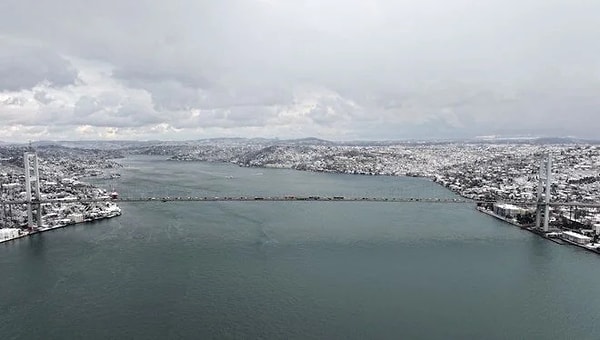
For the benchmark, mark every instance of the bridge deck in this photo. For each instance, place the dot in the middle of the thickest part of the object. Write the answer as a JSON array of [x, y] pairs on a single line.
[[297, 199]]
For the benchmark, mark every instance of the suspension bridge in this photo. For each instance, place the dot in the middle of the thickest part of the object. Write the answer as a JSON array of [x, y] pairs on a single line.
[[34, 200], [302, 199]]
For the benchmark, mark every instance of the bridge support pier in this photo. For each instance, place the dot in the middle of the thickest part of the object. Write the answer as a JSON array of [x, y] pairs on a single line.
[[543, 202], [538, 208], [32, 189]]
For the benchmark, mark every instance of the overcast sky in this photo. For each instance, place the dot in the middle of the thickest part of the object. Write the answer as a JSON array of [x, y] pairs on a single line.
[[335, 69]]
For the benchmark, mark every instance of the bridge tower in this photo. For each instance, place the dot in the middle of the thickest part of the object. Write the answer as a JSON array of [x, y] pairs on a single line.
[[32, 189], [543, 201]]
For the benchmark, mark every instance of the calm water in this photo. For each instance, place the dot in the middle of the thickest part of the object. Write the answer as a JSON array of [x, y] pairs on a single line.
[[293, 269]]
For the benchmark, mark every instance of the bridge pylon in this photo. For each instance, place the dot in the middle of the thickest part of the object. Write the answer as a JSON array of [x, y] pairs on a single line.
[[32, 189], [543, 201]]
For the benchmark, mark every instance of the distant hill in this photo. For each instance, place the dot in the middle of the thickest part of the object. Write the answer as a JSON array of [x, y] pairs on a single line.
[[95, 144], [533, 140], [306, 141], [564, 140], [131, 144]]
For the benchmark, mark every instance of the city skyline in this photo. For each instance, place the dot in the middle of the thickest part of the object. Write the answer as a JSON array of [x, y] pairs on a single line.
[[351, 70]]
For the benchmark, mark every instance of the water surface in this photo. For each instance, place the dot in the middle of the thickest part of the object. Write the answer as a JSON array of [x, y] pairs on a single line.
[[292, 269]]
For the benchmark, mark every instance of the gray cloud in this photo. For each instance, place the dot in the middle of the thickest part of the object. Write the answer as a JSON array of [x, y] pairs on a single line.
[[374, 69], [23, 66], [14, 101], [42, 97], [143, 74], [110, 111]]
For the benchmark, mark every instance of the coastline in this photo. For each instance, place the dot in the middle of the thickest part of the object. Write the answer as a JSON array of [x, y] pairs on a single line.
[[491, 213], [559, 240], [428, 178], [58, 226]]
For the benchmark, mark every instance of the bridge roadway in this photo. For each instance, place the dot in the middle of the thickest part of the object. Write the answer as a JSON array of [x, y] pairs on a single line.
[[300, 198]]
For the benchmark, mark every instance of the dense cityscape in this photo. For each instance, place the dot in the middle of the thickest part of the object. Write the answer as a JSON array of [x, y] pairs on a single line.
[[487, 171], [62, 171]]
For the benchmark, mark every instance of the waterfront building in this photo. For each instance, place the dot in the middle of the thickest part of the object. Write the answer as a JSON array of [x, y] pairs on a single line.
[[576, 238], [9, 233], [76, 218], [508, 210]]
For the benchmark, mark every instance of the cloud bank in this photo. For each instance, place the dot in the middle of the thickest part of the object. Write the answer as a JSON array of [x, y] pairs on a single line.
[[368, 69]]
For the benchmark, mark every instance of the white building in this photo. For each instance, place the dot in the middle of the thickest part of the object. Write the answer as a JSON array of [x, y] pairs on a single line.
[[76, 218], [575, 237], [9, 233], [508, 210]]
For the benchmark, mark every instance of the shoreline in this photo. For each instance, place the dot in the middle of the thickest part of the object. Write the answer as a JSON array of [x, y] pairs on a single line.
[[504, 219], [529, 228], [59, 226], [559, 240], [427, 178]]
